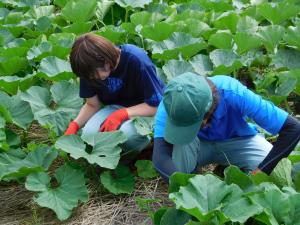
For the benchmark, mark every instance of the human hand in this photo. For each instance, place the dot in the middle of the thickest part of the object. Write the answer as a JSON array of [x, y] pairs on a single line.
[[114, 120], [257, 170], [72, 128]]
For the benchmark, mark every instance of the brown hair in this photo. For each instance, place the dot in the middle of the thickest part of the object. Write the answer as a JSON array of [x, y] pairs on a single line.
[[215, 101], [90, 52]]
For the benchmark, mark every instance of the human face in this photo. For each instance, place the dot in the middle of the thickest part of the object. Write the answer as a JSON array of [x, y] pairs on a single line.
[[103, 72]]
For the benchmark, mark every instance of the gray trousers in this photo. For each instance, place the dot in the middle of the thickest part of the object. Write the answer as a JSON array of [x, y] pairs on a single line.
[[135, 141], [244, 152]]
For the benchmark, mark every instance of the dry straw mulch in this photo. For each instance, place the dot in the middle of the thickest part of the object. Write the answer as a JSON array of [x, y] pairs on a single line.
[[18, 208], [103, 208]]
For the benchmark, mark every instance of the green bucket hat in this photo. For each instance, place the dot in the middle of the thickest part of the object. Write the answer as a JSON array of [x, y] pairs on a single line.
[[187, 98]]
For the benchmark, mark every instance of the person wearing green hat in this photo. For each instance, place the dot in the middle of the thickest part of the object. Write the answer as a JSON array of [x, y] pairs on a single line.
[[203, 120]]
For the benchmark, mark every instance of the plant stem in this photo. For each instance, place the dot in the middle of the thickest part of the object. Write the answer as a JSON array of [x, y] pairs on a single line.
[[24, 138], [288, 108], [112, 15], [126, 15], [142, 39], [98, 28], [235, 74]]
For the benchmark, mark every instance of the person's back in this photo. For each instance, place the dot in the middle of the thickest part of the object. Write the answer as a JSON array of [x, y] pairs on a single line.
[[197, 125]]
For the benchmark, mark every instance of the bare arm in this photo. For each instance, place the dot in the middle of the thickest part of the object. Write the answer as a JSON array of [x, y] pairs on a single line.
[[142, 109], [91, 106]]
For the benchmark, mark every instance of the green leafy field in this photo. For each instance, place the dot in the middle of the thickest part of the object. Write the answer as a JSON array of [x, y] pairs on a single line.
[[255, 41]]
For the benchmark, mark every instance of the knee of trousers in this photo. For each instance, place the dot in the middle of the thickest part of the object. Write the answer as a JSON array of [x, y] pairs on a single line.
[[135, 141]]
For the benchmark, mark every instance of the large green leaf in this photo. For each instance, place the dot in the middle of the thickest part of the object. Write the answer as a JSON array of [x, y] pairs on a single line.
[[3, 144], [210, 192], [292, 36], [260, 178], [133, 3], [130, 28], [174, 217], [145, 169], [221, 39], [205, 197], [12, 84], [158, 31], [103, 8], [8, 139], [112, 33], [158, 215], [20, 112], [271, 36], [293, 75], [35, 161], [102, 149], [62, 39], [275, 204], [78, 28], [145, 18], [41, 11], [225, 61], [253, 41], [178, 43], [287, 83], [119, 181], [217, 6], [195, 27], [227, 20], [186, 14], [40, 51], [61, 199], [3, 13], [53, 68], [286, 58], [277, 13], [247, 24], [241, 210], [13, 51], [295, 212], [12, 138], [26, 3], [12, 65], [191, 222], [15, 110], [2, 122], [60, 3], [282, 174], [43, 24], [144, 125], [202, 64], [233, 175], [178, 180], [9, 158], [55, 107], [174, 68], [79, 10], [61, 44], [254, 57]]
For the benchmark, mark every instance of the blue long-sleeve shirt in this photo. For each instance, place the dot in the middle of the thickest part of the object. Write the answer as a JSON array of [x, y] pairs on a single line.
[[236, 105]]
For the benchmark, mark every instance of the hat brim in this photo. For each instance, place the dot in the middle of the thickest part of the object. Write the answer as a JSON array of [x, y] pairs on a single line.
[[180, 135]]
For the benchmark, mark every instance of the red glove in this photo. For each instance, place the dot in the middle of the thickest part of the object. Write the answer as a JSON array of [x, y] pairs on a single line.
[[114, 120], [72, 129]]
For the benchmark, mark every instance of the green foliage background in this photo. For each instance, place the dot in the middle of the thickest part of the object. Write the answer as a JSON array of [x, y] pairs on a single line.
[[255, 41]]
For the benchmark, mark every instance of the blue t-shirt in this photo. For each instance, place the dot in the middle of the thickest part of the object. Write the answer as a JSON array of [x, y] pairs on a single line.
[[134, 81], [236, 104]]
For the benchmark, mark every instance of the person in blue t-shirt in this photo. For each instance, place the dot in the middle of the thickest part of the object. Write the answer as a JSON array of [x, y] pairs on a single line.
[[204, 120], [118, 83]]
